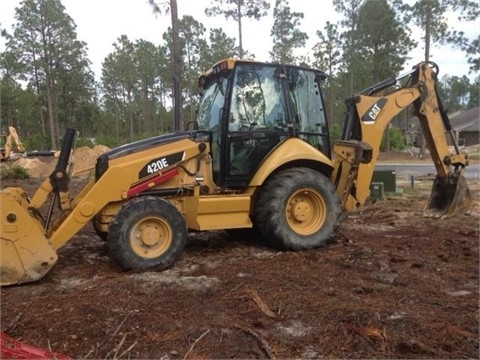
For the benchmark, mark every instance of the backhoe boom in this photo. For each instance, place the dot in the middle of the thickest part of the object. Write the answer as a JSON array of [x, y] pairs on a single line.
[[368, 115]]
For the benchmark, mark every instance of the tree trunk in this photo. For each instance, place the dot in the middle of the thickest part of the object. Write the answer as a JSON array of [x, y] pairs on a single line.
[[51, 117], [146, 116], [117, 123], [40, 111], [176, 66], [240, 41]]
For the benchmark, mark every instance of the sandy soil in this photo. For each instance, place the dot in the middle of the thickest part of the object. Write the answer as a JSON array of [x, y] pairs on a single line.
[[392, 284]]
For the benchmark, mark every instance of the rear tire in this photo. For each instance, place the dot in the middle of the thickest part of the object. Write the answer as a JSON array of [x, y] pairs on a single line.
[[147, 232], [298, 209]]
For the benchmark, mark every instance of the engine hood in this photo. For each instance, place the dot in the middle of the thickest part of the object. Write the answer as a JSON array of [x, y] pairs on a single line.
[[128, 149]]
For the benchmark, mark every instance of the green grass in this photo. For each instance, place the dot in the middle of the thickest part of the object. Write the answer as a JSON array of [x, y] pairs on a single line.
[[14, 172]]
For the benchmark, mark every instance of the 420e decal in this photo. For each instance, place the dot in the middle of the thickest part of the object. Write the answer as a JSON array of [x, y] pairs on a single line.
[[161, 163]]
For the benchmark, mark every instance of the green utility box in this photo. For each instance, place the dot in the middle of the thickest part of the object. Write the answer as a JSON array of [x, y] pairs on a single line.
[[387, 177], [376, 191]]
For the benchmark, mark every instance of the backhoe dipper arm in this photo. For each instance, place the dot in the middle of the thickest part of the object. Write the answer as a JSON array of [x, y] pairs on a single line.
[[369, 113]]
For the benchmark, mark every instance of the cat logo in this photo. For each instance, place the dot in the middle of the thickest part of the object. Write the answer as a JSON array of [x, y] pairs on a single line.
[[374, 110]]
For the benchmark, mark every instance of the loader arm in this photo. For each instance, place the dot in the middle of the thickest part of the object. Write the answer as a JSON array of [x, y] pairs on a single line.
[[30, 238], [368, 115]]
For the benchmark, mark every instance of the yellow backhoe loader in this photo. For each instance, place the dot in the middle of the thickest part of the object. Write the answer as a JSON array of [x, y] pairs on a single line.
[[14, 149], [258, 156], [12, 145]]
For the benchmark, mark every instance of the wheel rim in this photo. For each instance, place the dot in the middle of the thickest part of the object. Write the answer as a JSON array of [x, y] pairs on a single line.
[[151, 237], [305, 211]]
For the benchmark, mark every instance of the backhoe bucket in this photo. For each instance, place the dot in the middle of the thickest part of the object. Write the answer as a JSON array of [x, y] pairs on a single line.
[[25, 254], [448, 198]]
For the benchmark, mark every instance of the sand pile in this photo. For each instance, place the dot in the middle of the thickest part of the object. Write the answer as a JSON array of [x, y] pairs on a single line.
[[34, 167], [85, 158]]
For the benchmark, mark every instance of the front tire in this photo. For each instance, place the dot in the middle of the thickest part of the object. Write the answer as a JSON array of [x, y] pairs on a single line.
[[147, 232], [298, 209]]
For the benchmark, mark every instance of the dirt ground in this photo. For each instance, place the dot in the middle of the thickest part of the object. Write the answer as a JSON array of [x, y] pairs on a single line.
[[392, 284]]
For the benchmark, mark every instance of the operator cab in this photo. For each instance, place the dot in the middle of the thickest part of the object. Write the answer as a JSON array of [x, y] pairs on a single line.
[[249, 108]]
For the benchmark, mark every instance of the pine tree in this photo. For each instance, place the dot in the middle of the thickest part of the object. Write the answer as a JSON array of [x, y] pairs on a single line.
[[327, 57], [219, 46], [286, 34], [176, 58], [431, 16], [45, 44], [383, 41], [119, 79], [237, 10]]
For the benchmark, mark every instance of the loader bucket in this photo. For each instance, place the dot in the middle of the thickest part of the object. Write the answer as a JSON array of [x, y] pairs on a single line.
[[25, 253], [449, 197]]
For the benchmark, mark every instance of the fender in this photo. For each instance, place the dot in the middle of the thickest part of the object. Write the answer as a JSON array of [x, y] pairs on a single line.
[[292, 149]]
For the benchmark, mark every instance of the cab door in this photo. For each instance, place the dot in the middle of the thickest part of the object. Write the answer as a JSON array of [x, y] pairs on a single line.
[[256, 120]]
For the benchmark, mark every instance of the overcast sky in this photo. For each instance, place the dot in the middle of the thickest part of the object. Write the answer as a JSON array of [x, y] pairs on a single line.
[[101, 22]]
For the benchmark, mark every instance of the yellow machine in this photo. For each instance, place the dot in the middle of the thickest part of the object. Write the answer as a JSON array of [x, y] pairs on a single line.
[[11, 143], [257, 156]]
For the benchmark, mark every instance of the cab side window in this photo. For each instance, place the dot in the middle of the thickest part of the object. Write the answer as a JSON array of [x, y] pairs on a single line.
[[308, 111]]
